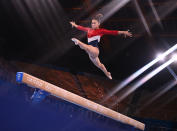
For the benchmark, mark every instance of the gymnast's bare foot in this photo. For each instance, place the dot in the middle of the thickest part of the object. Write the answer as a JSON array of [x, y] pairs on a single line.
[[108, 74], [75, 41]]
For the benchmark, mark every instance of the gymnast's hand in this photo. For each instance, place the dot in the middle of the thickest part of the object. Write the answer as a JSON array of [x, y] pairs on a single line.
[[126, 33], [73, 24]]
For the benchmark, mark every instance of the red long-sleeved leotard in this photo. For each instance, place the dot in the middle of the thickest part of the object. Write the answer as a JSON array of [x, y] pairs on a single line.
[[94, 35]]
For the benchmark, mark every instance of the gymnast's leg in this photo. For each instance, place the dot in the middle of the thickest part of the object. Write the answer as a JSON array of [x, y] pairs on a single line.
[[93, 53], [97, 63]]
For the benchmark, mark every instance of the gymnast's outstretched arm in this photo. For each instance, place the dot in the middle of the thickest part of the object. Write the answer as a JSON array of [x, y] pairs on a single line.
[[79, 27], [115, 32]]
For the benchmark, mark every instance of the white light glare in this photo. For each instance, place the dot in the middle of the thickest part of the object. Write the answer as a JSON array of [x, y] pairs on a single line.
[[174, 57], [160, 56]]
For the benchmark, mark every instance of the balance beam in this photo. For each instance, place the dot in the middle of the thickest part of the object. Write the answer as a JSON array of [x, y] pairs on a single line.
[[32, 81]]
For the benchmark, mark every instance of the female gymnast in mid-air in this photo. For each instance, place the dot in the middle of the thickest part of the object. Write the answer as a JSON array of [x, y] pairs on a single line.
[[94, 34]]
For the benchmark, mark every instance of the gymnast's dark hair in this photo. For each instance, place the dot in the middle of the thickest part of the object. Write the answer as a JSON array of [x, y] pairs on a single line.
[[98, 17]]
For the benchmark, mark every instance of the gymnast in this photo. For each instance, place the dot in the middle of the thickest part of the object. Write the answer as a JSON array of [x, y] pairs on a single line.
[[94, 34]]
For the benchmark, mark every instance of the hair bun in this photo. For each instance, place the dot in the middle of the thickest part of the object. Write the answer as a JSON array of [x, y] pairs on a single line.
[[99, 16]]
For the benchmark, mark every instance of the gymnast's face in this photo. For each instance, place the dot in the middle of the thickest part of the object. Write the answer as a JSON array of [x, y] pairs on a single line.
[[95, 24]]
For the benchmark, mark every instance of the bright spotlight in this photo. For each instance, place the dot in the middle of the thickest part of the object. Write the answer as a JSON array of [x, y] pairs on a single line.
[[174, 57], [146, 78], [133, 76], [160, 56]]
